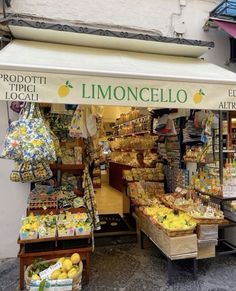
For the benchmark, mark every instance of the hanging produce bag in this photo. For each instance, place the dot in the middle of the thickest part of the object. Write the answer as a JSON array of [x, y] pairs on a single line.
[[28, 138], [31, 172]]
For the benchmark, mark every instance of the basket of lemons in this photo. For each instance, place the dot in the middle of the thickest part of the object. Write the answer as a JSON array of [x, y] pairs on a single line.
[[59, 274]]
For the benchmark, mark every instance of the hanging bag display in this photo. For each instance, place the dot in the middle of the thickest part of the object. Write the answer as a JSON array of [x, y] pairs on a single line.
[[31, 172], [28, 138], [91, 123], [78, 127], [56, 144]]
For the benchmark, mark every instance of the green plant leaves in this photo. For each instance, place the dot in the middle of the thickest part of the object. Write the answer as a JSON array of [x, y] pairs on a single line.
[[68, 84], [201, 92], [42, 285]]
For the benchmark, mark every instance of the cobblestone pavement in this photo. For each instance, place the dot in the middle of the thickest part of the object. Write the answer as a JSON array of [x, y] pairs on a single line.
[[128, 268]]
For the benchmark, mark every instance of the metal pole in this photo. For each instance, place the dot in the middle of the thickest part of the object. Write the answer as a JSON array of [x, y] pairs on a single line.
[[221, 158]]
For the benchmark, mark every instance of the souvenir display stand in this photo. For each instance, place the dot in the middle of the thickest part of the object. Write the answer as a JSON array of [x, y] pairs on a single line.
[[57, 223]]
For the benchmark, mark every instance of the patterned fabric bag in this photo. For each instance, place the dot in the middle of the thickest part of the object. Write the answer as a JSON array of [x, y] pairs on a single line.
[[31, 172], [28, 138], [91, 123], [78, 127], [56, 143]]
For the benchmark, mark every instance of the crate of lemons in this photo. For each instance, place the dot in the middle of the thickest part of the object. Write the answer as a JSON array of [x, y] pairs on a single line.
[[169, 219], [63, 273]]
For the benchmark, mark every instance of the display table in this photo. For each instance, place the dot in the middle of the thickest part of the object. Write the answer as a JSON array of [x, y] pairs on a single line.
[[50, 248], [116, 175], [173, 248]]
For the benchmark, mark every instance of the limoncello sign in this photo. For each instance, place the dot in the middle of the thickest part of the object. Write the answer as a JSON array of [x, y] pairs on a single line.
[[102, 90], [126, 93]]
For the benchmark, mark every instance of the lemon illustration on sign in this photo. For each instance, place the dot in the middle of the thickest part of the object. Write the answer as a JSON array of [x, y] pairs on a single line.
[[197, 97], [64, 90]]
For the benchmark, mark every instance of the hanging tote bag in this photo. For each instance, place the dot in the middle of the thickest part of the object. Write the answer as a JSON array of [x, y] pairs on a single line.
[[91, 122], [78, 127], [56, 144], [29, 139], [31, 172]]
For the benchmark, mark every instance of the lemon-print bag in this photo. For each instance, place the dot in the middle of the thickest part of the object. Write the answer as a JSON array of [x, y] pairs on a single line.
[[28, 138], [31, 172]]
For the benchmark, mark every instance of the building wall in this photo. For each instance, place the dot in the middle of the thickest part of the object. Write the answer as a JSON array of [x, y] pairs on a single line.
[[164, 17], [13, 198]]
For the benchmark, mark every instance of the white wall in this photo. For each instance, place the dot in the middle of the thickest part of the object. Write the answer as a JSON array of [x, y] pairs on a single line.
[[13, 198], [162, 17]]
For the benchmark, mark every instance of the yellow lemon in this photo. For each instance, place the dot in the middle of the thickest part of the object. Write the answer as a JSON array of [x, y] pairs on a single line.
[[62, 276], [63, 91], [67, 264], [61, 260], [72, 273], [55, 274], [75, 258], [35, 277], [197, 97]]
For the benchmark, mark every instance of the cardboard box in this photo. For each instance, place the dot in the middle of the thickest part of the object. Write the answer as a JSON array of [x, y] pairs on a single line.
[[206, 249], [179, 245], [207, 231]]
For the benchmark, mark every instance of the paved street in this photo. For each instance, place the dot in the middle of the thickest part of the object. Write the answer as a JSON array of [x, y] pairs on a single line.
[[128, 268]]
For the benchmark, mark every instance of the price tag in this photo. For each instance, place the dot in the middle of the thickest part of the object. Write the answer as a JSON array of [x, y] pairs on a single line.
[[229, 191], [47, 273]]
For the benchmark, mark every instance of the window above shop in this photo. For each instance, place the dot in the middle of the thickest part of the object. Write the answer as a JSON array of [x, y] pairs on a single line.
[[225, 10]]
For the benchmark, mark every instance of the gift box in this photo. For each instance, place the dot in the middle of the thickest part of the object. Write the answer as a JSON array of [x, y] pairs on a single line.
[[28, 235], [47, 232], [66, 232]]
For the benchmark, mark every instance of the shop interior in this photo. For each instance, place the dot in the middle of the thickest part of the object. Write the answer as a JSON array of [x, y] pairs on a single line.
[[125, 174]]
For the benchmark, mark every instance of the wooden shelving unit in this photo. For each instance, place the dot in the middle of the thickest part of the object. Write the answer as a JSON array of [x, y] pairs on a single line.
[[65, 168]]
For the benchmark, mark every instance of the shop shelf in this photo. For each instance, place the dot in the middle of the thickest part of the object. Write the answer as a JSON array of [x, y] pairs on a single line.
[[132, 121], [135, 150], [50, 239], [133, 134], [220, 197], [65, 168]]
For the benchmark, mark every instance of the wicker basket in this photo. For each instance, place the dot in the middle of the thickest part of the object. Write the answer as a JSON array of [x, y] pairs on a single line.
[[76, 284], [171, 233]]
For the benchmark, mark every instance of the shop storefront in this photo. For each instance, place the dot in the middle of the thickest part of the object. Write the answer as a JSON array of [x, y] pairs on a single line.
[[175, 97]]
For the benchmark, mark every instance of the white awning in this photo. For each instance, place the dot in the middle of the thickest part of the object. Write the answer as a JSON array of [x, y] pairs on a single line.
[[45, 72]]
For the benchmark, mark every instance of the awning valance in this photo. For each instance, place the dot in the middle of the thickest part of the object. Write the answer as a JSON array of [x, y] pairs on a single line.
[[44, 72], [228, 27]]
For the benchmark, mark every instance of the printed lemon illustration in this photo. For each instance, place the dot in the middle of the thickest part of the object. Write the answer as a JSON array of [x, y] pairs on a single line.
[[197, 97], [64, 90]]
